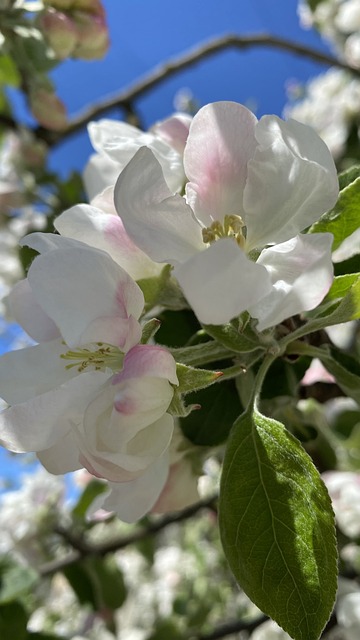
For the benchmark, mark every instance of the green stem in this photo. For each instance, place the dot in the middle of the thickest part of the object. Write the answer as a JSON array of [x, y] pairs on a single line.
[[201, 354], [259, 380]]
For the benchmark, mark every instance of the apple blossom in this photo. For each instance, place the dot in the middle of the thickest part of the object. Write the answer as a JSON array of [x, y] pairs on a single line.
[[234, 239], [88, 395], [117, 142]]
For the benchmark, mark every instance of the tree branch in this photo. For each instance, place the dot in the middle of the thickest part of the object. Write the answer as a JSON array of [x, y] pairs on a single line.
[[125, 98], [228, 628], [81, 548]]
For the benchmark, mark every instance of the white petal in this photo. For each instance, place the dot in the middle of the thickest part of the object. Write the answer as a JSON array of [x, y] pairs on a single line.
[[23, 306], [159, 223], [88, 296], [44, 242], [105, 231], [62, 457], [291, 181], [220, 144], [180, 489], [132, 500], [42, 421], [301, 271], [221, 282], [120, 141], [26, 373], [99, 173]]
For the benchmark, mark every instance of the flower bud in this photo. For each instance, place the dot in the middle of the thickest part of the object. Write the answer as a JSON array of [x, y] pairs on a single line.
[[89, 6], [60, 31], [93, 36], [48, 109]]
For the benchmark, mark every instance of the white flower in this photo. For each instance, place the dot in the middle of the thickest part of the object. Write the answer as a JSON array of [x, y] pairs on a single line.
[[117, 142], [88, 395], [251, 184], [344, 490]]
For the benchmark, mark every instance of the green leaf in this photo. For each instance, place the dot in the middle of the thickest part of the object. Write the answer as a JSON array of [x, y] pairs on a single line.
[[13, 621], [9, 74], [15, 580], [191, 379], [43, 636], [211, 424], [229, 337], [277, 526], [92, 490], [341, 286], [348, 176], [314, 3], [344, 218], [108, 582]]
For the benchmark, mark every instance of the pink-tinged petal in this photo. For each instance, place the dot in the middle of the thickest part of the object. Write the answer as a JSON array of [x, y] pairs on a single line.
[[132, 500], [174, 130], [148, 360], [42, 421], [301, 272], [161, 224], [121, 413], [220, 144], [121, 459], [120, 141], [100, 172], [180, 489], [24, 308], [221, 282], [29, 372], [88, 296], [106, 231], [291, 181], [62, 457]]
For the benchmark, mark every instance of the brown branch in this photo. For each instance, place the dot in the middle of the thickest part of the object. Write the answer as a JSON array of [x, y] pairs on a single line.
[[195, 55], [81, 548]]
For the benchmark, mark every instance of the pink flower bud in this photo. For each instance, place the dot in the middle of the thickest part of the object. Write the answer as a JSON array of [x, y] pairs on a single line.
[[60, 32], [48, 109], [93, 36]]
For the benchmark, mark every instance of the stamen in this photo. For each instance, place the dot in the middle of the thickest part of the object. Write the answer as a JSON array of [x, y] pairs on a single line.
[[232, 227], [105, 356]]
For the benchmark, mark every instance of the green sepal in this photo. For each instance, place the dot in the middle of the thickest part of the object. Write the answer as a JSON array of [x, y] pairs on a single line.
[[344, 218], [277, 526], [191, 379], [228, 336], [149, 329], [162, 290]]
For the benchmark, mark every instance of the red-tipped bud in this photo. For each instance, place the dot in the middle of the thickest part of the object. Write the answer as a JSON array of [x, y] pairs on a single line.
[[93, 36], [60, 31], [48, 109]]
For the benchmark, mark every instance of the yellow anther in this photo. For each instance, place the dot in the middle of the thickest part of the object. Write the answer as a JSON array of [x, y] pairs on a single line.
[[232, 227], [103, 357]]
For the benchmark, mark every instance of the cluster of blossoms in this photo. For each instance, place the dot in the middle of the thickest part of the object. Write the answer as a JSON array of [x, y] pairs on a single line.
[[90, 393], [331, 106], [339, 23]]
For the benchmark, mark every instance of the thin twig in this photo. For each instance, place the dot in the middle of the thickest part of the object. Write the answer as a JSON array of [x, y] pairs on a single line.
[[173, 66], [229, 628], [81, 548]]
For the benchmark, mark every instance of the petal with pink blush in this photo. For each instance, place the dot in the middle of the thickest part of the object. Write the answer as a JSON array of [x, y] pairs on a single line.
[[220, 144], [87, 295], [148, 360], [174, 130]]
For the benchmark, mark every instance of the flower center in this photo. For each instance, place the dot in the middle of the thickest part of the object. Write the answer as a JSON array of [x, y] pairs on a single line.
[[232, 227], [101, 358]]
